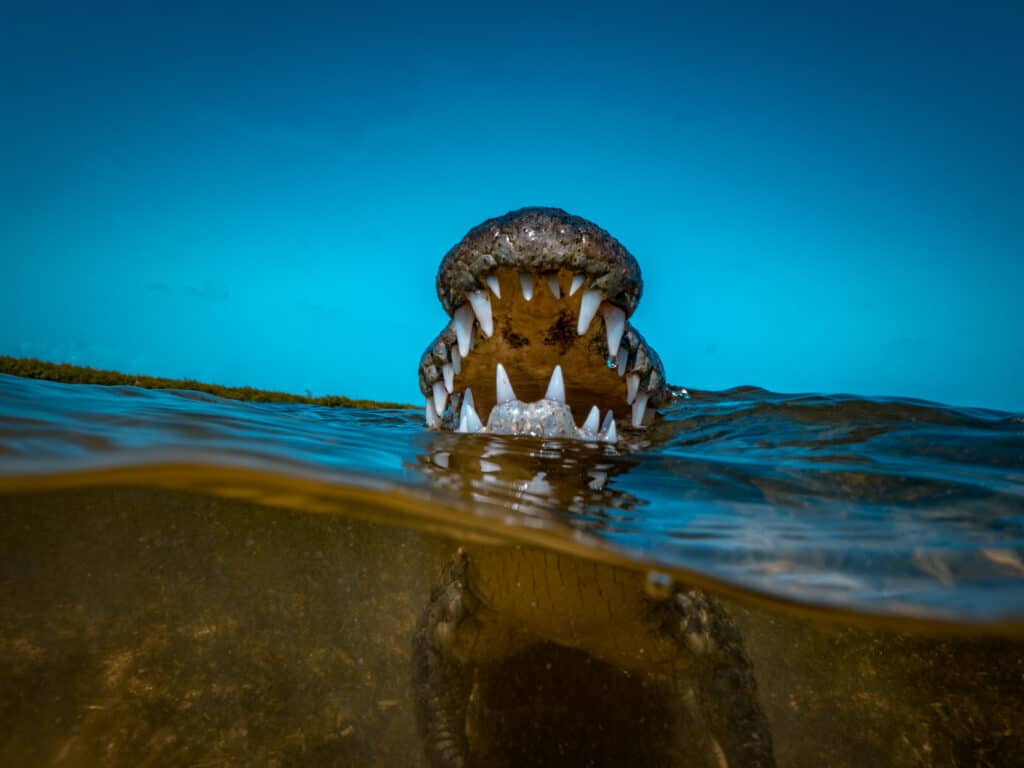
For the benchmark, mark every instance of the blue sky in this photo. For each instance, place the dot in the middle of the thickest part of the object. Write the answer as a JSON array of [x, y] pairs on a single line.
[[822, 198]]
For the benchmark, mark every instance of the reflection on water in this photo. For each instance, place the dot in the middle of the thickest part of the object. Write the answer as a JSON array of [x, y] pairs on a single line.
[[188, 581]]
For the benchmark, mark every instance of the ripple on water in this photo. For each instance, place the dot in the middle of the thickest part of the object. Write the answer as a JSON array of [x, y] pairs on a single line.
[[882, 506]]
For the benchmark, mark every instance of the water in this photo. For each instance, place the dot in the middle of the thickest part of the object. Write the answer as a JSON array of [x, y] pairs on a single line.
[[191, 581]]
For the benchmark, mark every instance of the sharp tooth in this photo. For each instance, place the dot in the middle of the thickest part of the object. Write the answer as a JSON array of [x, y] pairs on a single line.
[[632, 385], [577, 283], [593, 419], [504, 386], [556, 289], [622, 362], [440, 396], [456, 360], [493, 284], [556, 387], [608, 419], [588, 308], [481, 304], [614, 325], [469, 421], [611, 435], [526, 281], [463, 320], [449, 377], [639, 407], [433, 422], [467, 397]]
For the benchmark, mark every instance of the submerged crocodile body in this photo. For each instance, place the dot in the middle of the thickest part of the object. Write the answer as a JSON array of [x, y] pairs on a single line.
[[523, 348]]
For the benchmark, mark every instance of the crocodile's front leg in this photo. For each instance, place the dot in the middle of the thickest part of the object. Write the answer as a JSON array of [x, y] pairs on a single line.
[[442, 684], [456, 633], [725, 688]]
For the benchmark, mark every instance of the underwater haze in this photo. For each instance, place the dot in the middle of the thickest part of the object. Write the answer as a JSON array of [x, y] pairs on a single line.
[[822, 198]]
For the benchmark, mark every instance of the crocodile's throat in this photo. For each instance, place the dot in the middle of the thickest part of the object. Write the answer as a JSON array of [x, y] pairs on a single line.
[[540, 342]]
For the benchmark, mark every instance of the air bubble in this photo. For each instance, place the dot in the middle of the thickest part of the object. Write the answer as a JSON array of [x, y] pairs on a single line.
[[658, 585]]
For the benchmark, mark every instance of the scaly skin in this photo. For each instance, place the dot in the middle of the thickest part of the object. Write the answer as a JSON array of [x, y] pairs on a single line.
[[498, 603]]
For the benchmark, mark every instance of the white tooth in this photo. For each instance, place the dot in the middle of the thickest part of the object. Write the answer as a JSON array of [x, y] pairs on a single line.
[[577, 283], [639, 407], [610, 435], [489, 466], [608, 419], [440, 396], [493, 284], [449, 377], [526, 281], [621, 363], [467, 397], [504, 386], [433, 422], [481, 304], [556, 387], [614, 325], [463, 320], [588, 308], [632, 385], [593, 420], [556, 289], [456, 360], [468, 419]]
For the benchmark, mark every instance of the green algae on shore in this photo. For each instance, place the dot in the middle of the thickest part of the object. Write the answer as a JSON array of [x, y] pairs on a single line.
[[66, 373]]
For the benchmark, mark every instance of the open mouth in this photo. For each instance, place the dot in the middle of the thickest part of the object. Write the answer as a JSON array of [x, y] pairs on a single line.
[[539, 342]]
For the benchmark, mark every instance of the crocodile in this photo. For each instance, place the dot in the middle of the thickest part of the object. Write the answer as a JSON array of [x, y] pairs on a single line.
[[540, 302]]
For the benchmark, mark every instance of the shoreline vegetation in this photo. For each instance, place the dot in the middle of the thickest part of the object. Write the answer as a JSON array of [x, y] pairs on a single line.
[[65, 373]]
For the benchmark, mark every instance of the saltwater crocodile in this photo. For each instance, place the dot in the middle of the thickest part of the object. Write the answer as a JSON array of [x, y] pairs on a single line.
[[521, 356]]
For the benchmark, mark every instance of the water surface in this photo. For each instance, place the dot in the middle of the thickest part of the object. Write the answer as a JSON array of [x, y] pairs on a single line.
[[891, 507], [203, 581]]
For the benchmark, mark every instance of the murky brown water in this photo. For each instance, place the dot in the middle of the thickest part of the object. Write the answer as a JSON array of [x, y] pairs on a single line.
[[169, 598]]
